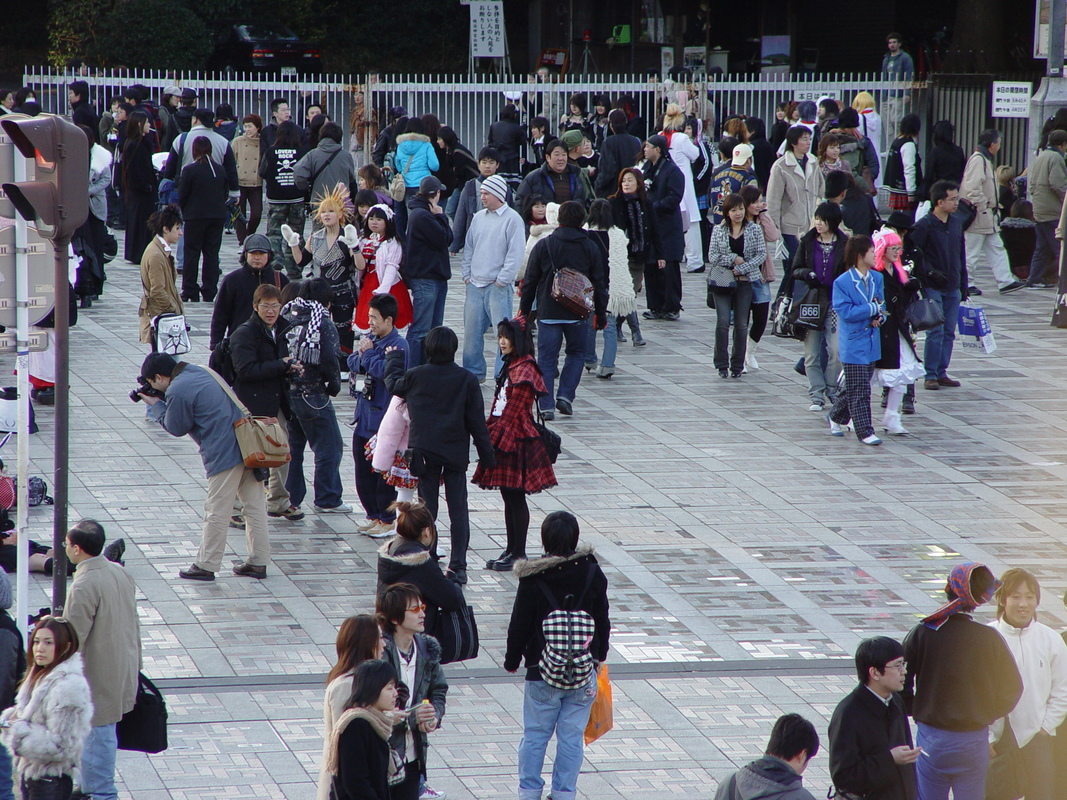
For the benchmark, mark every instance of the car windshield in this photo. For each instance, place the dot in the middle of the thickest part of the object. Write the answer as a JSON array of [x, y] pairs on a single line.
[[261, 32]]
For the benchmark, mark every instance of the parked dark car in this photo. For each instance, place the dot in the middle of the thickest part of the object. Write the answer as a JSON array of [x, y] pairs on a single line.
[[262, 46]]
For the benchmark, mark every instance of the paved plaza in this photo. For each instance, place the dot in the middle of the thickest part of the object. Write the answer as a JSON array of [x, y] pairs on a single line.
[[747, 553]]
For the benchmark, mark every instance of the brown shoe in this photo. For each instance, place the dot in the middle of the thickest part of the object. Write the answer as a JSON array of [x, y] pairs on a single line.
[[250, 571], [194, 573], [946, 381], [931, 385]]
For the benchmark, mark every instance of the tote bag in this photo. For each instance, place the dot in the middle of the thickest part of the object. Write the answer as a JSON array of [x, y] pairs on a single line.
[[170, 334], [457, 631], [144, 727]]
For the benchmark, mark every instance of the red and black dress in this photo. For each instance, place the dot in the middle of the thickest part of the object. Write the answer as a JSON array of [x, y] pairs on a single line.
[[521, 459]]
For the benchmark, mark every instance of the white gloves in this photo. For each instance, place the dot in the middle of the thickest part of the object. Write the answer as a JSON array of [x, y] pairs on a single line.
[[292, 238], [350, 237]]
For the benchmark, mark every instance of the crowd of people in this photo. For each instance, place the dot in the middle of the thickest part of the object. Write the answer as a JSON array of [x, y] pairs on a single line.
[[570, 214]]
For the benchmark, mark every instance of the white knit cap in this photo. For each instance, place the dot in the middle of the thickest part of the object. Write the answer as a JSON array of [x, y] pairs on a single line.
[[496, 186]]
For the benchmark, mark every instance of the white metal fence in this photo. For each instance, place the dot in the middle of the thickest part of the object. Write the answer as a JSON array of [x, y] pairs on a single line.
[[470, 105]]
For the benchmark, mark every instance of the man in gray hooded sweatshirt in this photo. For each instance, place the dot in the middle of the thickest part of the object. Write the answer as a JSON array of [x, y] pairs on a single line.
[[776, 776]]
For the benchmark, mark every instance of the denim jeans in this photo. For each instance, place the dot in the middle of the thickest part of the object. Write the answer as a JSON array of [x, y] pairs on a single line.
[[740, 302], [483, 309], [428, 311], [550, 337], [822, 363], [952, 760], [938, 350], [6, 788], [611, 343], [314, 422], [565, 712], [98, 763]]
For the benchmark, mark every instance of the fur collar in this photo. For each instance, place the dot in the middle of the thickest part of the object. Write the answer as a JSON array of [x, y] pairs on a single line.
[[31, 697], [414, 559], [524, 568], [99, 159], [412, 137]]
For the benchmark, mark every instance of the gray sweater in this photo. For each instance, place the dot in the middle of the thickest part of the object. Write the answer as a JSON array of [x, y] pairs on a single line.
[[494, 247], [195, 404]]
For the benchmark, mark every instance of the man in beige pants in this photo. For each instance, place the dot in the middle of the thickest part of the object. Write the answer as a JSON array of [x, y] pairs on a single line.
[[194, 403]]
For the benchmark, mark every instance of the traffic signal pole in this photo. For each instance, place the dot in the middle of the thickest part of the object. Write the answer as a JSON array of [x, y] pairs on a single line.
[[61, 462], [22, 383]]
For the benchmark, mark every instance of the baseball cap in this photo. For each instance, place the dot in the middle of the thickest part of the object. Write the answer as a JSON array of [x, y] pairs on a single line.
[[742, 153]]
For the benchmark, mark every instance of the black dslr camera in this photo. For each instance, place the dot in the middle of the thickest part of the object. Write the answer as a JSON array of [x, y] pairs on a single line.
[[143, 387]]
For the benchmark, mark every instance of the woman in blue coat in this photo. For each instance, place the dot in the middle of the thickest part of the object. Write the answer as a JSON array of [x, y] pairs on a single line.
[[859, 302], [415, 154]]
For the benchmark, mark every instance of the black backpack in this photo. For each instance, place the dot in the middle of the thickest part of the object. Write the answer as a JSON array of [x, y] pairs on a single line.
[[221, 360]]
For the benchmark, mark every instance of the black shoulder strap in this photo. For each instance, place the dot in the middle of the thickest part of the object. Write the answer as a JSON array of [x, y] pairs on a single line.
[[320, 170]]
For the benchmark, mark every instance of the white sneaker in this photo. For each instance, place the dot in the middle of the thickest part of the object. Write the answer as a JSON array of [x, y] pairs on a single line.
[[836, 429], [816, 407], [344, 508], [431, 794], [872, 440], [344, 377]]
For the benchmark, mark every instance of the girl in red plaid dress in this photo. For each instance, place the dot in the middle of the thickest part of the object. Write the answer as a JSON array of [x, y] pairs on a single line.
[[522, 463]]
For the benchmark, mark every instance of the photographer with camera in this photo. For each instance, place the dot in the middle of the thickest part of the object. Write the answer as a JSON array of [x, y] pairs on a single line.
[[262, 365], [187, 399], [375, 494]]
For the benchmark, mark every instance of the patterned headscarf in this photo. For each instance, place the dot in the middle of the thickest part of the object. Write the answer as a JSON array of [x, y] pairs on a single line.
[[959, 581]]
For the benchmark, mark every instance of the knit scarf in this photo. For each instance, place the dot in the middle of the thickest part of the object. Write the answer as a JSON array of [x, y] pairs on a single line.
[[959, 581], [377, 719], [308, 314], [635, 214]]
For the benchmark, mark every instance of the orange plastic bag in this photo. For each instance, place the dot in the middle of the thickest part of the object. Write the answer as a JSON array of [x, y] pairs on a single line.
[[600, 716]]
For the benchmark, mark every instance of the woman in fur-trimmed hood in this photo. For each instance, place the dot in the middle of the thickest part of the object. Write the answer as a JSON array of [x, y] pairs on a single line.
[[47, 727]]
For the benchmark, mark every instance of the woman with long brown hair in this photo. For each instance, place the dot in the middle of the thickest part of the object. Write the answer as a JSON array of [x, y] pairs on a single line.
[[359, 639], [630, 209], [139, 185], [47, 727]]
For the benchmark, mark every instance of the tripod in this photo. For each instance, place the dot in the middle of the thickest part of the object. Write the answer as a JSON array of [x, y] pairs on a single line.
[[587, 59]]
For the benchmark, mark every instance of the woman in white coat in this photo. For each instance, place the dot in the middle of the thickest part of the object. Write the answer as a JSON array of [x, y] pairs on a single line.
[[47, 727], [871, 125], [683, 153]]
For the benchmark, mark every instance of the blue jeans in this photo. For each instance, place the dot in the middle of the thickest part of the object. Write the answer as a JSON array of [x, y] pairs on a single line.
[[428, 311], [6, 789], [314, 422], [546, 710], [611, 343], [952, 760], [550, 338], [938, 350], [822, 362], [98, 763], [450, 210], [483, 309]]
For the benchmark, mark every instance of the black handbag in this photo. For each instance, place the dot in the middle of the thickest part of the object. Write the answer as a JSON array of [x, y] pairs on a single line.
[[966, 213], [549, 438], [457, 632], [924, 314], [144, 727], [810, 312]]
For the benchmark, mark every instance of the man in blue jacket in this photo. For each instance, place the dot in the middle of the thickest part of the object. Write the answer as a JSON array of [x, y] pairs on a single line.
[[371, 404], [195, 403]]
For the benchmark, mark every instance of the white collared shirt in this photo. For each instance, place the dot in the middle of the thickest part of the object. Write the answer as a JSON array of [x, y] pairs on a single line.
[[164, 245]]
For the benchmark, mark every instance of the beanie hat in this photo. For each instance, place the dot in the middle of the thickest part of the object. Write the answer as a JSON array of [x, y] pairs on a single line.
[[572, 138], [5, 590], [496, 186]]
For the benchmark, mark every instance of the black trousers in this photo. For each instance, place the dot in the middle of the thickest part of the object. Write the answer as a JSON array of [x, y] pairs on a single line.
[[456, 498], [253, 197], [375, 495], [663, 287], [408, 789], [202, 237]]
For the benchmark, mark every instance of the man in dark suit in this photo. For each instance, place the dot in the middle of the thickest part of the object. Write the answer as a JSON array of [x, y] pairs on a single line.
[[663, 277]]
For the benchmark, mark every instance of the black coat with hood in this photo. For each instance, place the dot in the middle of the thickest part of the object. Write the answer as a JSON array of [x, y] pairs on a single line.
[[233, 304], [766, 778], [401, 560], [563, 576], [428, 239]]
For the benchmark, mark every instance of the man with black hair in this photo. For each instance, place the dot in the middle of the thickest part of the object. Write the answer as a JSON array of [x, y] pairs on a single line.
[[426, 266], [195, 403], [181, 119], [557, 180], [827, 114], [279, 113], [776, 774], [102, 607], [447, 412], [961, 678], [82, 111], [871, 751], [619, 151], [233, 304], [470, 199], [375, 495], [663, 277]]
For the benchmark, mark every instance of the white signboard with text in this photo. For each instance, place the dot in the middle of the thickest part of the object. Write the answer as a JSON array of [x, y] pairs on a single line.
[[487, 29], [1011, 99]]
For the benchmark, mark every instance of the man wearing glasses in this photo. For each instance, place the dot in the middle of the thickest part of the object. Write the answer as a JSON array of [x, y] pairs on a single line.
[[961, 678], [871, 751]]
